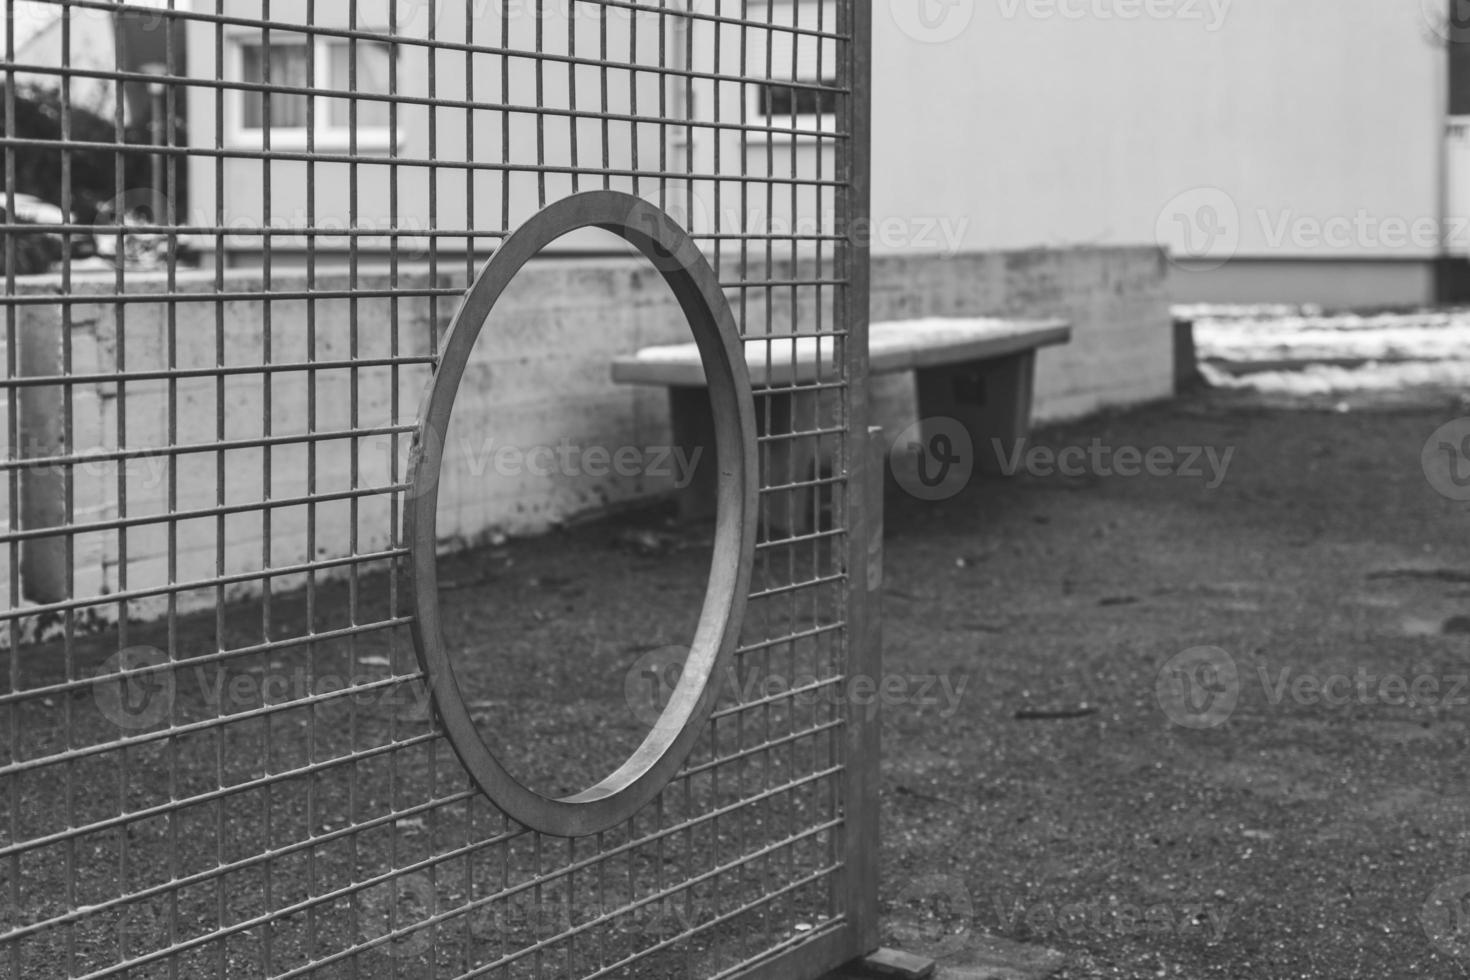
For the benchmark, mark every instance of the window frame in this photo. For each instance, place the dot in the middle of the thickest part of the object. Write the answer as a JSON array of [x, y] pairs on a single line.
[[327, 135], [824, 122]]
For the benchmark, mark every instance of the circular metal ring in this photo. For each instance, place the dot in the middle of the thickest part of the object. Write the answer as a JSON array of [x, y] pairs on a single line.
[[666, 747]]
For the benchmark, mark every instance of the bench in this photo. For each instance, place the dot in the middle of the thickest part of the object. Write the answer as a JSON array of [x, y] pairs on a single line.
[[977, 371]]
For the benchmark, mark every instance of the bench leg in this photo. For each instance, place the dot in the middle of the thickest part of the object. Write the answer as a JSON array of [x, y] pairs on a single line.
[[785, 462], [991, 399], [693, 425], [789, 462]]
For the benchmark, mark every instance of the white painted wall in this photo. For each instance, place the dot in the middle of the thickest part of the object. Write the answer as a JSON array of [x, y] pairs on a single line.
[[1316, 127], [1040, 128], [471, 193], [1457, 184]]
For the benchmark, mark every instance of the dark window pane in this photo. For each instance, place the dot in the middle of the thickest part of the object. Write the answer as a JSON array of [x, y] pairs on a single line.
[[779, 101], [289, 68]]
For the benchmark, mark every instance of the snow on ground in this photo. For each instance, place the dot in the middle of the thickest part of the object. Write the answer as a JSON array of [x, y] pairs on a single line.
[[1321, 379], [1283, 341], [1295, 350], [1202, 311]]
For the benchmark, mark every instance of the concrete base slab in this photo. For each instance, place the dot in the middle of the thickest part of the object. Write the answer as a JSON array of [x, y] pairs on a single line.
[[983, 958], [895, 964]]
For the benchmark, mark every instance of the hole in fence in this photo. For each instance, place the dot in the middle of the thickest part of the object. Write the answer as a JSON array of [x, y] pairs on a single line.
[[572, 603]]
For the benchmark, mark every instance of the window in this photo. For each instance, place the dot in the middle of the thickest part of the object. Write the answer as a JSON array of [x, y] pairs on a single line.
[[781, 102], [288, 67], [326, 65], [797, 52]]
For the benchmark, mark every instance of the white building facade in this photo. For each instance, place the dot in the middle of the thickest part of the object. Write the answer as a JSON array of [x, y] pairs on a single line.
[[1303, 150]]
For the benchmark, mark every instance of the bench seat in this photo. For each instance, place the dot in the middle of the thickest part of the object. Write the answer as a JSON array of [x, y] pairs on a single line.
[[978, 371], [907, 345]]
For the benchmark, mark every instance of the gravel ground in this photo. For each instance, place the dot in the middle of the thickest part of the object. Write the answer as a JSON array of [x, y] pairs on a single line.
[[1159, 724], [1035, 786], [1300, 821]]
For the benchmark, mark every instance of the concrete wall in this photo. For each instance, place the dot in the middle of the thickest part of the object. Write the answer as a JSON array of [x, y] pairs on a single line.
[[171, 426], [539, 378], [1342, 284], [1116, 298], [539, 381]]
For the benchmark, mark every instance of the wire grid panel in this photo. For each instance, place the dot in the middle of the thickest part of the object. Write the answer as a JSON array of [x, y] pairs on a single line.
[[234, 232]]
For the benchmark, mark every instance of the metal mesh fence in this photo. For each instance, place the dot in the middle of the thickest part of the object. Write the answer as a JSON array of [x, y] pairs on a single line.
[[234, 233]]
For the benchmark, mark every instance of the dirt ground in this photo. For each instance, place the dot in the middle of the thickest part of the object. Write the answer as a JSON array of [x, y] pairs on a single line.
[[1034, 786], [1287, 799], [1303, 836]]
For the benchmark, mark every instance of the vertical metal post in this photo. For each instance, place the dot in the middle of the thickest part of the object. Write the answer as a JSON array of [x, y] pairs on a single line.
[[865, 654]]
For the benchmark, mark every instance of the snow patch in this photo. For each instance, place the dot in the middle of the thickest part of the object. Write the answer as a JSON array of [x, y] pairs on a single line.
[[1399, 351]]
